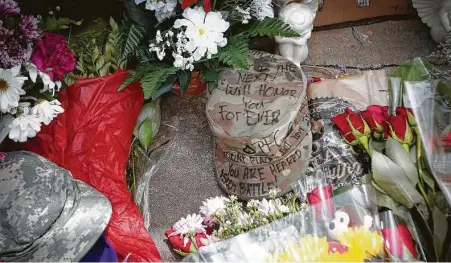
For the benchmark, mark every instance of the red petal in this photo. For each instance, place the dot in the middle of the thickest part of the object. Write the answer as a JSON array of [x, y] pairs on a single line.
[[207, 5]]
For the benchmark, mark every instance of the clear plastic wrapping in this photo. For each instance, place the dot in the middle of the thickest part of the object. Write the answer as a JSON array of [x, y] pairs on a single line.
[[350, 233]]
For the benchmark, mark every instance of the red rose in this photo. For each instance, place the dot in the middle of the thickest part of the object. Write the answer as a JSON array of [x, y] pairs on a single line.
[[336, 247], [398, 238], [350, 123], [341, 121], [407, 113], [188, 3], [52, 56], [400, 130], [320, 199], [376, 117], [177, 242]]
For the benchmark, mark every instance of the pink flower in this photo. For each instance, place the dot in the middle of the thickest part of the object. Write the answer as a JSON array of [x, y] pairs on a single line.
[[52, 56], [2, 156]]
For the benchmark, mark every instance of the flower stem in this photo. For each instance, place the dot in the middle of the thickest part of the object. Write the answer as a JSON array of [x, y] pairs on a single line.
[[364, 141], [406, 147], [193, 240], [214, 5]]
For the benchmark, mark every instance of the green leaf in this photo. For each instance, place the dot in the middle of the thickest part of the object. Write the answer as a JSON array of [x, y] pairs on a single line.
[[271, 27], [166, 87], [398, 155], [100, 63], [181, 253], [53, 24], [184, 77], [135, 75], [210, 75], [236, 52], [427, 178], [440, 229], [393, 180], [150, 111], [154, 79], [145, 133], [133, 37]]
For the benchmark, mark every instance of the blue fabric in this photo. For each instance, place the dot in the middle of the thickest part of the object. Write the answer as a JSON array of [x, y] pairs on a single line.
[[102, 251]]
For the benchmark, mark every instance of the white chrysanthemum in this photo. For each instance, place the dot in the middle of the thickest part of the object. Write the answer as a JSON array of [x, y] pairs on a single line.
[[213, 205], [253, 204], [279, 207], [244, 219], [205, 31], [47, 111], [48, 84], [187, 227], [24, 126], [10, 88], [266, 207]]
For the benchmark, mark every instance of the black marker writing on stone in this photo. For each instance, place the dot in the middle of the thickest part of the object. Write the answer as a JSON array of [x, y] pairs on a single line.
[[253, 173], [268, 91], [251, 105], [268, 117], [288, 67], [278, 167], [228, 183], [238, 90], [255, 189]]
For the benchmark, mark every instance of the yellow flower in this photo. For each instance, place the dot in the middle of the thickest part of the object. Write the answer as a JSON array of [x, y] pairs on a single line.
[[309, 249], [361, 245], [362, 242]]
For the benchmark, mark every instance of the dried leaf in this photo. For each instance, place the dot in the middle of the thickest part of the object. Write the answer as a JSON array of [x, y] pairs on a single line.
[[398, 155], [393, 180]]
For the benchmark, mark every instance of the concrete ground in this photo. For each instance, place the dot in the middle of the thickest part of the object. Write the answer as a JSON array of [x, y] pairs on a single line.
[[186, 174]]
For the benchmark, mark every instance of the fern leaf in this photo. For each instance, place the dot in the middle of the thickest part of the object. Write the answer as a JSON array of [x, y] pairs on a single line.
[[271, 27], [153, 80], [140, 71], [132, 39], [236, 52], [210, 75]]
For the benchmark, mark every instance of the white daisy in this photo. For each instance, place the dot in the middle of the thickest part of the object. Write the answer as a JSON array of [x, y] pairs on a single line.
[[10, 88], [187, 227], [205, 31], [47, 111], [213, 205], [24, 126]]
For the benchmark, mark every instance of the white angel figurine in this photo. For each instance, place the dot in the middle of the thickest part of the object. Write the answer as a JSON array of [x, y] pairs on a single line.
[[300, 17], [437, 15]]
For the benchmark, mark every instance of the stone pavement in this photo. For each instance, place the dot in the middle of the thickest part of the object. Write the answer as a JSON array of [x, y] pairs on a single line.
[[187, 177]]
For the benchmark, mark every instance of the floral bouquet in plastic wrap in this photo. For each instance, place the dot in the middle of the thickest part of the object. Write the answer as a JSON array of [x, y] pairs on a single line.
[[33, 64], [398, 138], [329, 228]]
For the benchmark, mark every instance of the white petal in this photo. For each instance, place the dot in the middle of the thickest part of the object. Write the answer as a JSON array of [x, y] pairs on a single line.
[[32, 71], [196, 15], [15, 70]]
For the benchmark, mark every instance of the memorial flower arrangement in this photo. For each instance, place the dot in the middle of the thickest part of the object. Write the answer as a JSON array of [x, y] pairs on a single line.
[[171, 39], [221, 218], [33, 64], [399, 174]]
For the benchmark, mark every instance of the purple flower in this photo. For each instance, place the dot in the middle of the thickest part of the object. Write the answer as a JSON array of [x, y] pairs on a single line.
[[14, 49], [29, 27], [8, 7]]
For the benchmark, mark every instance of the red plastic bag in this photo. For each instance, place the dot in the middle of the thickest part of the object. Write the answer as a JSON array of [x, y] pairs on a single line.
[[92, 140]]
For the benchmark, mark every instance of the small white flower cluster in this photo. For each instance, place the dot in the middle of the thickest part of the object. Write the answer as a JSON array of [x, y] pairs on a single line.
[[262, 9], [28, 120], [179, 53], [182, 61], [244, 13], [163, 8], [228, 218], [187, 227]]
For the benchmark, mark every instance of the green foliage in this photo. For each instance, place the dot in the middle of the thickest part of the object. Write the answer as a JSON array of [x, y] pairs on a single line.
[[236, 52], [132, 37], [145, 133], [53, 24], [210, 75], [271, 27], [99, 56], [184, 77], [152, 77]]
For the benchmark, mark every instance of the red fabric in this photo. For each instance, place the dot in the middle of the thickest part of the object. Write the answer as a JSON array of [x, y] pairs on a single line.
[[92, 140]]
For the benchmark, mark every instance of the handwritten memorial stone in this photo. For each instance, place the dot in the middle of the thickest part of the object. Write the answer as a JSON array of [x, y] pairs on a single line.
[[261, 122]]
